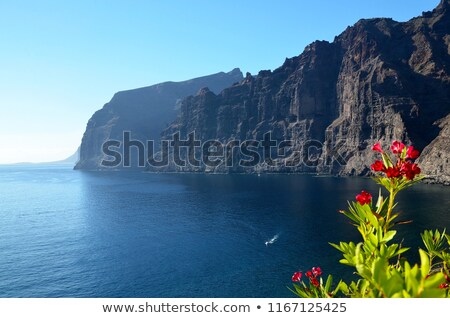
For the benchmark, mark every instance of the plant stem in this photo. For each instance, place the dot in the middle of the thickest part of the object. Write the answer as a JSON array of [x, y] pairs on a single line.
[[390, 206]]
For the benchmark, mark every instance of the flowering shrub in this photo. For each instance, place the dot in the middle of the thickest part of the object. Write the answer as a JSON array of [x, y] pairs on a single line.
[[381, 268], [315, 287]]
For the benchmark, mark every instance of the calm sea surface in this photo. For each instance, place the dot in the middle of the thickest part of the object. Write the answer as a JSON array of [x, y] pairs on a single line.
[[66, 233]]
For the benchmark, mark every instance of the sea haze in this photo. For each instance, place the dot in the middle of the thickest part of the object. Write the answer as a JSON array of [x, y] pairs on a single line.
[[66, 233]]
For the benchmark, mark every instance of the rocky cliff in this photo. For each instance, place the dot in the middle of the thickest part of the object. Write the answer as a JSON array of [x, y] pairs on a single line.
[[144, 112], [435, 159], [377, 81]]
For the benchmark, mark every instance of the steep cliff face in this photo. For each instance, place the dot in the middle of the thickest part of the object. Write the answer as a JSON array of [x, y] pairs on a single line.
[[393, 84], [144, 112], [435, 159], [379, 80]]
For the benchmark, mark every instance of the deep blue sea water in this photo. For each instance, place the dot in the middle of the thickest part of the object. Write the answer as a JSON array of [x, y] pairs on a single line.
[[66, 233]]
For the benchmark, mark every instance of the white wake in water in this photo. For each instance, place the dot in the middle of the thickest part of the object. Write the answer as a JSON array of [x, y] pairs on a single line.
[[272, 240]]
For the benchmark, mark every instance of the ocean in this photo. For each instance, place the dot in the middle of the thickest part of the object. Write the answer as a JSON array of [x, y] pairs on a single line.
[[66, 233]]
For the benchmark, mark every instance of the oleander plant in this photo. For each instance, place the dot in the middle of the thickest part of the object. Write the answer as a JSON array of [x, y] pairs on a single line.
[[381, 268]]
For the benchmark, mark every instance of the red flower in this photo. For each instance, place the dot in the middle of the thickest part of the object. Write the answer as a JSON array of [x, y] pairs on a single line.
[[393, 172], [315, 282], [378, 166], [377, 147], [410, 170], [316, 271], [297, 276], [406, 166], [364, 198], [412, 153], [397, 147], [443, 285], [415, 170], [309, 274]]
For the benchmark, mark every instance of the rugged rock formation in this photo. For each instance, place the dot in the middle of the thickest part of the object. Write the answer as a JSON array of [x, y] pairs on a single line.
[[379, 80], [435, 159], [145, 112]]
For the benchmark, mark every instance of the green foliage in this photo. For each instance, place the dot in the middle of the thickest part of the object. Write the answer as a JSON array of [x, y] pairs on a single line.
[[378, 260], [382, 279], [435, 243]]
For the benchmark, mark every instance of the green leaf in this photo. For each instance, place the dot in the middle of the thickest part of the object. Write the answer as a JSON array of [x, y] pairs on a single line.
[[353, 218], [394, 285], [373, 239], [379, 270], [379, 200], [403, 154], [362, 269], [385, 182], [372, 218], [343, 287], [401, 251], [386, 160], [433, 281], [434, 242], [336, 246], [389, 236], [328, 283], [425, 263], [412, 282], [433, 293]]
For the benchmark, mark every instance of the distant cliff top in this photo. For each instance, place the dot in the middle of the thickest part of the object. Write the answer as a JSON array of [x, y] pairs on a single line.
[[144, 111]]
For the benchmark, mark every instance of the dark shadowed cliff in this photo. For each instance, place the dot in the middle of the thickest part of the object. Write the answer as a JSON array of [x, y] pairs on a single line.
[[145, 112], [379, 80]]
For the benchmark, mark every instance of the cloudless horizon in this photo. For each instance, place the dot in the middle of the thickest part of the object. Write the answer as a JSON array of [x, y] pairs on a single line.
[[61, 61]]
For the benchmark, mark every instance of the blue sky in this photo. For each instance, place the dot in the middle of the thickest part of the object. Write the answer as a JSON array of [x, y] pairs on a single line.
[[60, 61]]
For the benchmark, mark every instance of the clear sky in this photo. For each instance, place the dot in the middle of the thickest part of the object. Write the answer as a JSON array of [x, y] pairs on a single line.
[[60, 61]]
